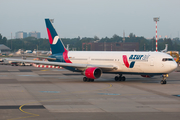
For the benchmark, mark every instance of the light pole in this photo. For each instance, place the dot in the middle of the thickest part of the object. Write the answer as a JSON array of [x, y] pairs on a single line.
[[37, 51], [156, 19]]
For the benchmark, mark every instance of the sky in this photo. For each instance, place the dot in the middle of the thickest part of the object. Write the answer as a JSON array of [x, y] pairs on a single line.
[[89, 18]]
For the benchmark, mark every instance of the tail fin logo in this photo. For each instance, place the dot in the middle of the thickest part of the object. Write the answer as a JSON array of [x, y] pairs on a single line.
[[51, 40], [125, 60], [56, 38]]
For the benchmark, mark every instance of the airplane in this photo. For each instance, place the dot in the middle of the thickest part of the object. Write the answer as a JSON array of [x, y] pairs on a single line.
[[92, 64]]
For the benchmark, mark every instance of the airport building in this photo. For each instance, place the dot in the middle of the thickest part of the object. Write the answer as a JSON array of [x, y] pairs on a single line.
[[111, 46], [4, 49], [21, 34], [35, 34]]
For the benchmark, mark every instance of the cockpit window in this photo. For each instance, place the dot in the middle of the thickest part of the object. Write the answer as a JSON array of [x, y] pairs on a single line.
[[167, 59]]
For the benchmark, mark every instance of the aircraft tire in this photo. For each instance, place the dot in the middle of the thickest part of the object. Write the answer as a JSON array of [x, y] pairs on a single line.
[[164, 82], [123, 78], [92, 80], [84, 79], [116, 78]]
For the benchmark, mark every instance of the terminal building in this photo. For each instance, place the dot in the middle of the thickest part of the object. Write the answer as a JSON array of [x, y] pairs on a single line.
[[4, 49], [111, 46], [21, 35], [35, 34]]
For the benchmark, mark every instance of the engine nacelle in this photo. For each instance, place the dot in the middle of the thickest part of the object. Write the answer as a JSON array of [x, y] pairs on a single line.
[[147, 76], [93, 72]]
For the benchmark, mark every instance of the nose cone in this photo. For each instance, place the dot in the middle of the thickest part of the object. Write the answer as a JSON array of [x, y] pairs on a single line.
[[174, 66]]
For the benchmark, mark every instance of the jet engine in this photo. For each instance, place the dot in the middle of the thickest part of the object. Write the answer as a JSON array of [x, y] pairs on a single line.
[[93, 72]]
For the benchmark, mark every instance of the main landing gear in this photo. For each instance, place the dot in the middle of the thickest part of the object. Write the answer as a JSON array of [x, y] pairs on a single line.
[[120, 78], [164, 78], [85, 79]]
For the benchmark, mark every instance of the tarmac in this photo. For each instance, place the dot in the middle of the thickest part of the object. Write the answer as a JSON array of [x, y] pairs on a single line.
[[29, 93]]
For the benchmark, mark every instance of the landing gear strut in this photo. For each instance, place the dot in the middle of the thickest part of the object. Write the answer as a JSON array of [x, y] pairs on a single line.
[[119, 78], [85, 79], [164, 78]]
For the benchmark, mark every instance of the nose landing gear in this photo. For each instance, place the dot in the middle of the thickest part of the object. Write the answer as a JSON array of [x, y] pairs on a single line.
[[164, 78]]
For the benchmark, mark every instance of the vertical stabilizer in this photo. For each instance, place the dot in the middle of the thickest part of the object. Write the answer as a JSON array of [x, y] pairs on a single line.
[[55, 42]]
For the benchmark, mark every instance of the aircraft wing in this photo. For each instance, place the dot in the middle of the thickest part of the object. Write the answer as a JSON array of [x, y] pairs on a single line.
[[48, 58], [74, 65], [40, 57]]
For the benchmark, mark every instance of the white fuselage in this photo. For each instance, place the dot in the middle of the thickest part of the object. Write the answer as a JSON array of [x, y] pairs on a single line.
[[145, 62]]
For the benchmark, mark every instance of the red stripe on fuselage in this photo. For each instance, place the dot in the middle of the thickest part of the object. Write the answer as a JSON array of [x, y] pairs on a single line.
[[65, 56], [50, 37], [125, 60]]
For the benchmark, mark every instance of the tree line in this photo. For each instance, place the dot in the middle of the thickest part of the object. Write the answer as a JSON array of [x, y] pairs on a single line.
[[31, 43]]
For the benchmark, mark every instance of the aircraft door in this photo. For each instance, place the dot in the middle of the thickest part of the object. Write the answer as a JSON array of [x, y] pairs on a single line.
[[152, 62], [88, 60]]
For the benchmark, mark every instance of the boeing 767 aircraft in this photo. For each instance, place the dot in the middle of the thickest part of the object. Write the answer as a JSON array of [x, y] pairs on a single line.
[[92, 64]]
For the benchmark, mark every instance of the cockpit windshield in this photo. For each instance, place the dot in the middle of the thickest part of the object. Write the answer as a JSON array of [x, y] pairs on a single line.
[[167, 59]]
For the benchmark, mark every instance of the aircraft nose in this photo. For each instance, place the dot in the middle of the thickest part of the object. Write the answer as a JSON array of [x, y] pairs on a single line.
[[174, 66]]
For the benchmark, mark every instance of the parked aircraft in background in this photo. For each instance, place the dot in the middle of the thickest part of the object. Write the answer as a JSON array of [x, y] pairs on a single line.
[[28, 51], [93, 63]]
